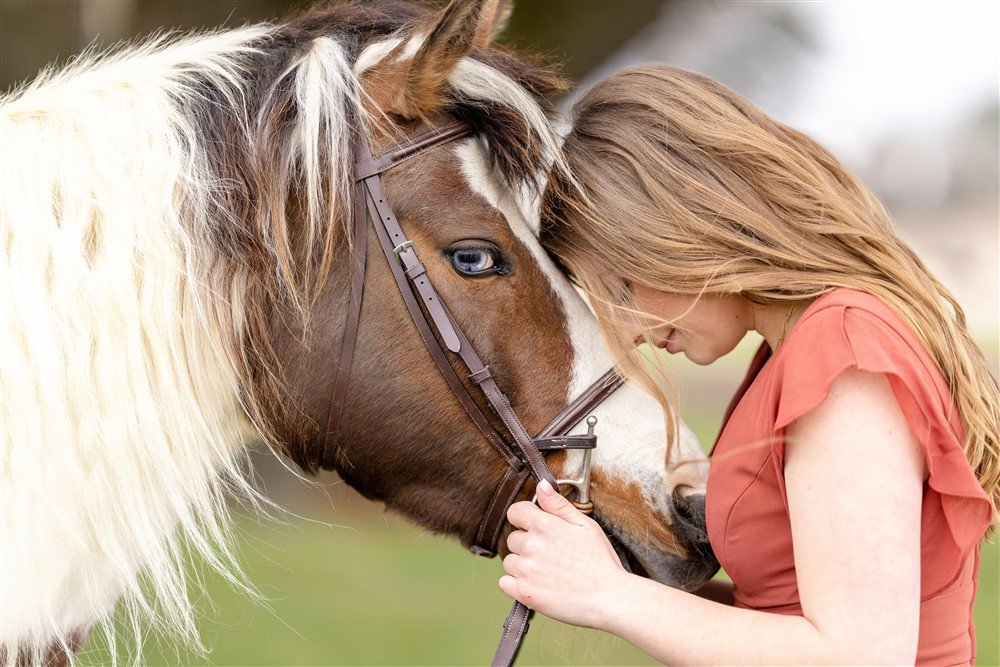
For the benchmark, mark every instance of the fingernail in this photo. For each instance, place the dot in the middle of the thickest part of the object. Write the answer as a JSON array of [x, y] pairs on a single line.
[[546, 488]]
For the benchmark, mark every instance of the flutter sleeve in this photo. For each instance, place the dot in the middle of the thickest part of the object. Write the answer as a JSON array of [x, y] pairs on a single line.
[[955, 507]]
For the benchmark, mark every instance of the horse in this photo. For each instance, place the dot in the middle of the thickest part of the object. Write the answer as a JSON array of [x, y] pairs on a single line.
[[175, 226]]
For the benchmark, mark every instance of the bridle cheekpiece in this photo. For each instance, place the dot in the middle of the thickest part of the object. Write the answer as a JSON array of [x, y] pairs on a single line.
[[523, 454]]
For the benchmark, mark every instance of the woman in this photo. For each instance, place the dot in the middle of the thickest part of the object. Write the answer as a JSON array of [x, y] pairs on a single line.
[[858, 468]]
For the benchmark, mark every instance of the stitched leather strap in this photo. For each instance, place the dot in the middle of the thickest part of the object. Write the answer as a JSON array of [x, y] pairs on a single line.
[[562, 442], [488, 534], [549, 438], [485, 543], [342, 379], [362, 205], [591, 397], [432, 345], [515, 627], [369, 165], [403, 252]]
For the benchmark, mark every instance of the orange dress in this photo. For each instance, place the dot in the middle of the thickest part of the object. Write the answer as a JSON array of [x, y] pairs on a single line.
[[747, 510]]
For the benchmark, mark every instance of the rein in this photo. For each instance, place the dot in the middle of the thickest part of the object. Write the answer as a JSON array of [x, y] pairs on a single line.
[[523, 454]]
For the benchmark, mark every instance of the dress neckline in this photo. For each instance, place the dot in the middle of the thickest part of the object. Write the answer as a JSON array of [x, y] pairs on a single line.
[[759, 365]]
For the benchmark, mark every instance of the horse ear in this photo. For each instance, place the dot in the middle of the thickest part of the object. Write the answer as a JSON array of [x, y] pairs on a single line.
[[496, 16], [411, 85]]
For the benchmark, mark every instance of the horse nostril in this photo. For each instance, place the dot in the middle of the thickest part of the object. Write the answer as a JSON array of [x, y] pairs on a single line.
[[689, 519]]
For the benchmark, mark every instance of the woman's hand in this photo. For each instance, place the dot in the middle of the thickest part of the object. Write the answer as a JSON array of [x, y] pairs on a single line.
[[560, 563]]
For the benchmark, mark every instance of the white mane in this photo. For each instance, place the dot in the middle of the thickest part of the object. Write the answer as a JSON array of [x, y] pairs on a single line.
[[121, 423]]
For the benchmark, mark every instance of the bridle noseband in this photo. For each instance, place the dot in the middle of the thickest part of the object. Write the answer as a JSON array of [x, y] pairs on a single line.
[[523, 454]]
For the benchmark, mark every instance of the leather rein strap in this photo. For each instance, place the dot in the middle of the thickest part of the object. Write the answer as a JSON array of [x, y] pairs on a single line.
[[429, 314]]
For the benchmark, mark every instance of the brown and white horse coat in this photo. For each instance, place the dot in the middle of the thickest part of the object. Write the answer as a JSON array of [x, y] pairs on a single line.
[[173, 225]]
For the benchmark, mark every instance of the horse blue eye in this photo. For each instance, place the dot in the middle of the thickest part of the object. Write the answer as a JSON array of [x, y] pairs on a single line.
[[473, 261]]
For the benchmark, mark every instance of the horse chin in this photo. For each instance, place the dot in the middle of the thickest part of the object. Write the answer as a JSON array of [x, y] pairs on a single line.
[[668, 569]]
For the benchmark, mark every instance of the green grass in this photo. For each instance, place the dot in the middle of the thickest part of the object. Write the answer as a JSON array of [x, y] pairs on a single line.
[[987, 609], [386, 594], [392, 595]]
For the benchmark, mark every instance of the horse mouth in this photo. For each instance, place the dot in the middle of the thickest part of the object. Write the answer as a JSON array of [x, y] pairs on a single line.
[[687, 574], [628, 559]]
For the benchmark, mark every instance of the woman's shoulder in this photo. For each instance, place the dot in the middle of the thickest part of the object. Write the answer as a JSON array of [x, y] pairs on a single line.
[[840, 329], [850, 316], [848, 328]]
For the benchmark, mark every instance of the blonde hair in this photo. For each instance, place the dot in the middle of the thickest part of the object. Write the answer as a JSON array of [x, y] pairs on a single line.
[[681, 185]]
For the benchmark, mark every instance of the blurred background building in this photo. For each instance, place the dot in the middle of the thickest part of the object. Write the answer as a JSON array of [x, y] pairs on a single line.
[[904, 94]]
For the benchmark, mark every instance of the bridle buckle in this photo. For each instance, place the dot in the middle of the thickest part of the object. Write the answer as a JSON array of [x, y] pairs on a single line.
[[402, 247]]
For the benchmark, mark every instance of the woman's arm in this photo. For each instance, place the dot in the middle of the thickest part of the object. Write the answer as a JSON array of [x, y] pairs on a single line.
[[854, 481], [854, 475]]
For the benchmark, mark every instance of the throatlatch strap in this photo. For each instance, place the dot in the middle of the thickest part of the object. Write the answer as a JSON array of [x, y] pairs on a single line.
[[342, 379]]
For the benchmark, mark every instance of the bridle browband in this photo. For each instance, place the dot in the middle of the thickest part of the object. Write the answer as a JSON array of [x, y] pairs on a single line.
[[522, 453]]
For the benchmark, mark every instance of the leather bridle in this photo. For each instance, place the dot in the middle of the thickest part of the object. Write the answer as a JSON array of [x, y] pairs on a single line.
[[522, 453]]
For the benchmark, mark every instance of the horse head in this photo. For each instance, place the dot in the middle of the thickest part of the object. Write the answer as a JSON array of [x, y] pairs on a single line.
[[471, 209]]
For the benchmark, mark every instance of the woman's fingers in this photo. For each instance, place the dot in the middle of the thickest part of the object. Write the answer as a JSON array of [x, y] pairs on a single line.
[[524, 514], [508, 586], [557, 505], [510, 563], [515, 541]]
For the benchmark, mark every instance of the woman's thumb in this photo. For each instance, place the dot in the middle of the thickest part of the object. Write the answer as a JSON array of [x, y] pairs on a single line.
[[553, 503]]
